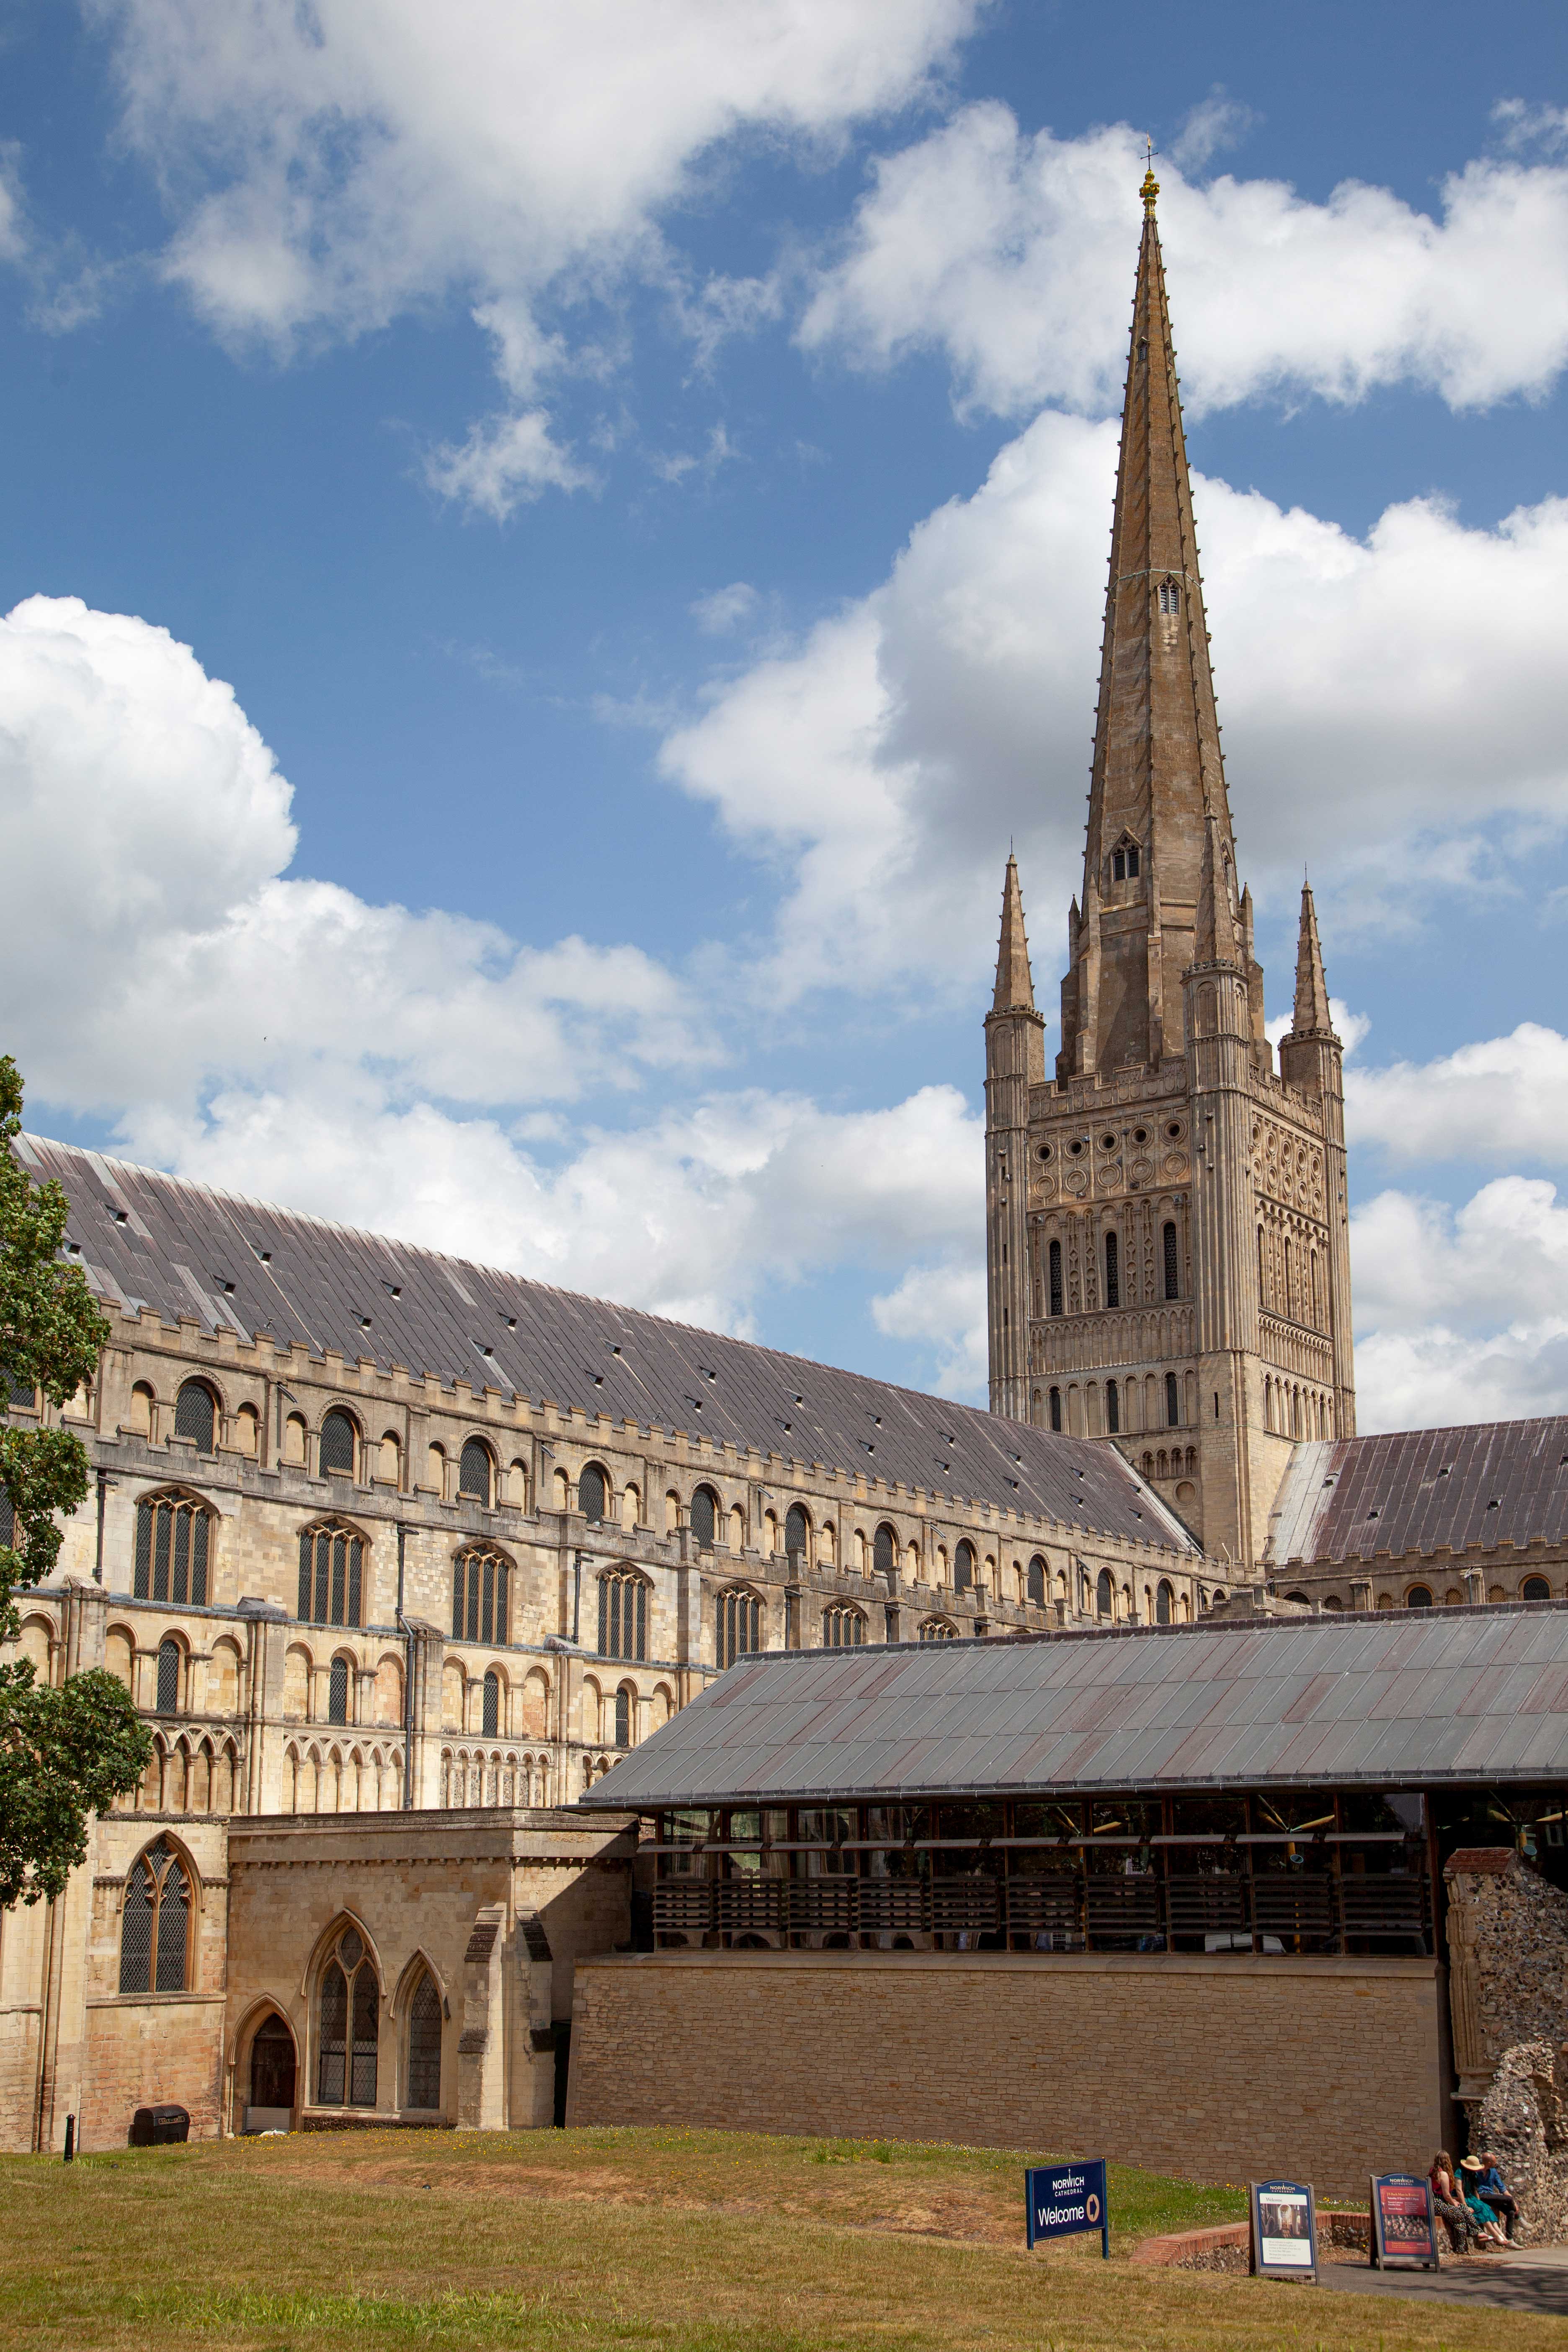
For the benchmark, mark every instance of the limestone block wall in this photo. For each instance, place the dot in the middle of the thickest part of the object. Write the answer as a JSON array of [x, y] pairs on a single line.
[[1221, 2069]]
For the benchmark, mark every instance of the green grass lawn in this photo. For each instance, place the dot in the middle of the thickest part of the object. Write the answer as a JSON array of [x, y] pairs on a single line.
[[675, 2241]]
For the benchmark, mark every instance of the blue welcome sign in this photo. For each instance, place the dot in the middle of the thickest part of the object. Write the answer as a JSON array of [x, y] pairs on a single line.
[[1063, 2199]]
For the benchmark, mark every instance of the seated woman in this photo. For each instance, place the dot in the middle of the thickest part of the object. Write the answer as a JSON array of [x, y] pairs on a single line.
[[1447, 2203], [1488, 2231]]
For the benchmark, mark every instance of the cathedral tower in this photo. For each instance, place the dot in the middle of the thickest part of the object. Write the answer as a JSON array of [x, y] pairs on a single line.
[[1166, 1219]]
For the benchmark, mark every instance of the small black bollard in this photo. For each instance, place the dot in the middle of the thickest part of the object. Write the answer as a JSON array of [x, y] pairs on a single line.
[[70, 2140]]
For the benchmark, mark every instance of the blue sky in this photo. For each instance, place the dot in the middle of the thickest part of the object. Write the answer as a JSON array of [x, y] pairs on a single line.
[[643, 473]]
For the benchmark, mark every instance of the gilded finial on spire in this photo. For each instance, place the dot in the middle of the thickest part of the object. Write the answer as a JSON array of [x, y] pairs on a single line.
[[1151, 188]]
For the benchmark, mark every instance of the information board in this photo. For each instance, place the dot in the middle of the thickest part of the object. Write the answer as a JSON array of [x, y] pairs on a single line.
[[1063, 2199], [1404, 2227], [1284, 2229]]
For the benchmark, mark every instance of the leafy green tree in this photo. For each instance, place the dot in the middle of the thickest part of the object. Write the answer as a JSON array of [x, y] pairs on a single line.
[[64, 1753]]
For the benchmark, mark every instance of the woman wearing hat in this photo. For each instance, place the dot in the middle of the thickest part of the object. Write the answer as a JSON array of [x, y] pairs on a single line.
[[1483, 2221], [1447, 2203]]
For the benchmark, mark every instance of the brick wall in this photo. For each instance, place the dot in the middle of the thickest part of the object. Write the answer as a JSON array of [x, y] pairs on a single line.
[[1218, 2069]]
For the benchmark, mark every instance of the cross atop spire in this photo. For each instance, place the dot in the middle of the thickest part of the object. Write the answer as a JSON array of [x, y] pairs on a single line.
[[1158, 776], [1015, 983]]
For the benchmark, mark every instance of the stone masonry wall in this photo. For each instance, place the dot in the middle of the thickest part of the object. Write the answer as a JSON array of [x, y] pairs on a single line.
[[1218, 2069], [1508, 1946]]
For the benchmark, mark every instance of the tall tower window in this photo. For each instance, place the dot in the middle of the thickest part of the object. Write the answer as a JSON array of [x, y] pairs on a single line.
[[1112, 1408], [1172, 1269], [1056, 1267], [1056, 1408], [1172, 1403], [1112, 1271]]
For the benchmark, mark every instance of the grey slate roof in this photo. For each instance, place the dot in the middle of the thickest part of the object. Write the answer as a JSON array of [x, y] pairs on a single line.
[[1397, 1698], [181, 1249], [1422, 1490]]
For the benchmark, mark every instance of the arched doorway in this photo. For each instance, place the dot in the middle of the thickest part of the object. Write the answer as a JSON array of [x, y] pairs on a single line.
[[271, 2103]]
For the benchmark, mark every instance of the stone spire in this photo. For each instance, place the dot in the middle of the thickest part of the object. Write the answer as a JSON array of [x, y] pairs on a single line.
[[1158, 779], [1217, 938], [1014, 984], [1313, 1018]]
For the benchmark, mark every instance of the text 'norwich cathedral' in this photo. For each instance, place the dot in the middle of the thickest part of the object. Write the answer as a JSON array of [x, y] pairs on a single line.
[[520, 1668]]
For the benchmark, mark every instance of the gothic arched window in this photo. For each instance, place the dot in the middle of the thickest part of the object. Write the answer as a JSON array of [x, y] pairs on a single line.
[[739, 1625], [1054, 1257], [331, 1575], [1104, 1599], [156, 1924], [1112, 1270], [480, 1581], [338, 1691], [1164, 1600], [937, 1629], [885, 1551], [1112, 1408], [173, 1536], [423, 2088], [1172, 1268], [1055, 1409], [1036, 1584], [195, 1415], [704, 1518], [489, 1719], [623, 1614], [168, 1702], [337, 1448], [476, 1472], [843, 1629], [964, 1567], [797, 1528], [623, 1717], [348, 2010], [593, 1494], [1169, 597], [1172, 1403]]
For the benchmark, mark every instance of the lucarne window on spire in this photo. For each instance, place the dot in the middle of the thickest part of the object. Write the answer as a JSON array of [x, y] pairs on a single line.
[[1169, 597]]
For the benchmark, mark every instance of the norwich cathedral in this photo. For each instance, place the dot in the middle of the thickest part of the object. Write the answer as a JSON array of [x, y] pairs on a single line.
[[402, 1556]]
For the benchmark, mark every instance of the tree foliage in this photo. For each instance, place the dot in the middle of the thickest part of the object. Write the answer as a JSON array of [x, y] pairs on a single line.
[[65, 1753]]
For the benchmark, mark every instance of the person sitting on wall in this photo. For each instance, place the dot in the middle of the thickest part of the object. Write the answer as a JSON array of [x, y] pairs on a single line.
[[1488, 2228], [1492, 2190], [1449, 2205]]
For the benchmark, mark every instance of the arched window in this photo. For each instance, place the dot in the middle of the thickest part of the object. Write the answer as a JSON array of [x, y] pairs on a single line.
[[272, 2067], [1169, 597], [797, 1528], [490, 1723], [23, 1392], [964, 1567], [1036, 1581], [623, 1717], [593, 1494], [337, 1448], [704, 1518], [349, 2006], [885, 1551], [1112, 1408], [168, 1677], [155, 1924], [937, 1629], [481, 1583], [1112, 1271], [1055, 1409], [1104, 1605], [7, 1519], [1418, 1597], [1535, 1588], [425, 2045], [195, 1415], [331, 1576], [173, 1535], [338, 1691], [1056, 1276], [476, 1472], [1163, 1603], [739, 1625], [843, 1629], [1172, 1403], [1172, 1269], [623, 1614]]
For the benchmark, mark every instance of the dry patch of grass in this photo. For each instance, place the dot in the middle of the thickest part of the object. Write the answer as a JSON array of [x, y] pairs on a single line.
[[656, 2242]]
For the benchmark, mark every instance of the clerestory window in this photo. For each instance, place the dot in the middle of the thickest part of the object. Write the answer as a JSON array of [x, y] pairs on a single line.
[[1056, 1270]]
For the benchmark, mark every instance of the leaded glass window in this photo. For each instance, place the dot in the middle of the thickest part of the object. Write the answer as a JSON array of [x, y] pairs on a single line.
[[593, 1494], [1103, 1603], [492, 1704], [964, 1567], [1172, 1269], [1172, 1403], [425, 2045], [168, 1702], [348, 2011], [937, 1629], [1055, 1262], [739, 1625], [195, 1415], [337, 1451], [843, 1629], [156, 1923], [797, 1528], [623, 1718], [481, 1580], [338, 1691], [173, 1535], [884, 1551], [1112, 1408], [331, 1576], [476, 1472], [1112, 1271], [1163, 1599], [622, 1615], [703, 1517], [1036, 1586]]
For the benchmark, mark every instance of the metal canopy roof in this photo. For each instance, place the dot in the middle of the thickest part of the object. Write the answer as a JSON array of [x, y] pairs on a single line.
[[1423, 1490], [181, 1249], [1386, 1700]]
